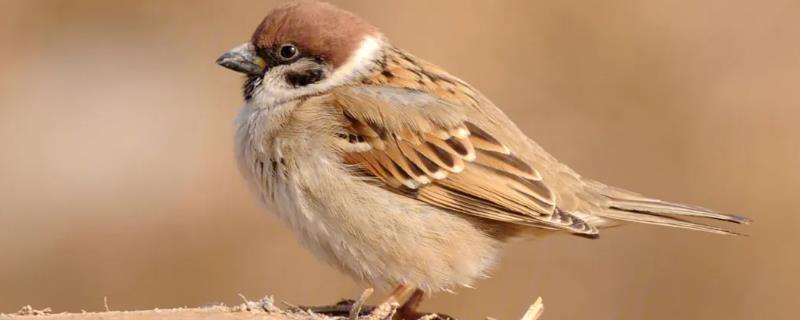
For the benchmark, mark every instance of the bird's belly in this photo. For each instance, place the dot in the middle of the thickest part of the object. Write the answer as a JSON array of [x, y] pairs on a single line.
[[368, 232], [377, 236], [385, 240]]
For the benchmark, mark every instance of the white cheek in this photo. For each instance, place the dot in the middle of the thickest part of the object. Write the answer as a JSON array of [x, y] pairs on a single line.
[[273, 89]]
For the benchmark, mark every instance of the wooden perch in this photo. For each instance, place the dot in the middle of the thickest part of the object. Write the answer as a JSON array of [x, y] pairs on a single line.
[[264, 309]]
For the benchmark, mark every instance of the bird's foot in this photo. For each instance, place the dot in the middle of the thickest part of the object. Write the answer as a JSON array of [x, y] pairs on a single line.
[[340, 309], [356, 310], [389, 309]]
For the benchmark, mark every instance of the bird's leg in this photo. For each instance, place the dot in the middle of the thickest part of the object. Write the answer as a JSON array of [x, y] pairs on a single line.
[[408, 311], [397, 294]]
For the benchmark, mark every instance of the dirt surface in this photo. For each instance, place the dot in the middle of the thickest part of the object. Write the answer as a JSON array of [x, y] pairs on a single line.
[[193, 313], [263, 309]]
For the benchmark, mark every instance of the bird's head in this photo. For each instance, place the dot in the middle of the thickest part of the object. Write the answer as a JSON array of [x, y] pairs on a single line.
[[302, 49]]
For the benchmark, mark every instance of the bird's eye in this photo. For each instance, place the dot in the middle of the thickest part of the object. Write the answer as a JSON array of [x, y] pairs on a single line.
[[288, 51]]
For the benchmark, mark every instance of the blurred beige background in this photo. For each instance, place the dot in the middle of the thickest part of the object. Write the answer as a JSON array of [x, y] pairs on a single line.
[[117, 176]]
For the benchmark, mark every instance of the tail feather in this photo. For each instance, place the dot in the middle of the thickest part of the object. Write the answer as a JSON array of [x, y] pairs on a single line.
[[664, 221], [653, 206], [657, 212]]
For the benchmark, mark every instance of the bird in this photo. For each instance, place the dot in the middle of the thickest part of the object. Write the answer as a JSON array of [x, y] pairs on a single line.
[[397, 172]]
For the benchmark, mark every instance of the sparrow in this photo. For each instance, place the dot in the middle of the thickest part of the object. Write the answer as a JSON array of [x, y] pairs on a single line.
[[397, 172]]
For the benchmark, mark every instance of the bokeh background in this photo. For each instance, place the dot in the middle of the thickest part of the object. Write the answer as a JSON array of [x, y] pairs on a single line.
[[117, 175]]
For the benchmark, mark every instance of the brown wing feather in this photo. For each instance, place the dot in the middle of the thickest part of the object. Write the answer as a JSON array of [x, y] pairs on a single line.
[[430, 108], [422, 147]]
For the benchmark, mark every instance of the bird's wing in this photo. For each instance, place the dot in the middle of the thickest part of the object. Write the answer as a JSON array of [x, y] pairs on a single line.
[[420, 146]]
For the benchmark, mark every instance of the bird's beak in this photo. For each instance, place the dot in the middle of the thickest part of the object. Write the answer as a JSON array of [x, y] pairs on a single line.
[[243, 59]]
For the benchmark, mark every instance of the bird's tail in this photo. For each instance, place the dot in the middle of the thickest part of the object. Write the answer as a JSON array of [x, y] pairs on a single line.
[[627, 206]]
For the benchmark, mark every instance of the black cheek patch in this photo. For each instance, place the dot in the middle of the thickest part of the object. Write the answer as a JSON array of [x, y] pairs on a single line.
[[249, 86], [300, 79]]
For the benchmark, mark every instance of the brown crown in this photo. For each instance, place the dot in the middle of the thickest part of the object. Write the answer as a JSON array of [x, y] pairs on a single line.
[[317, 28]]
